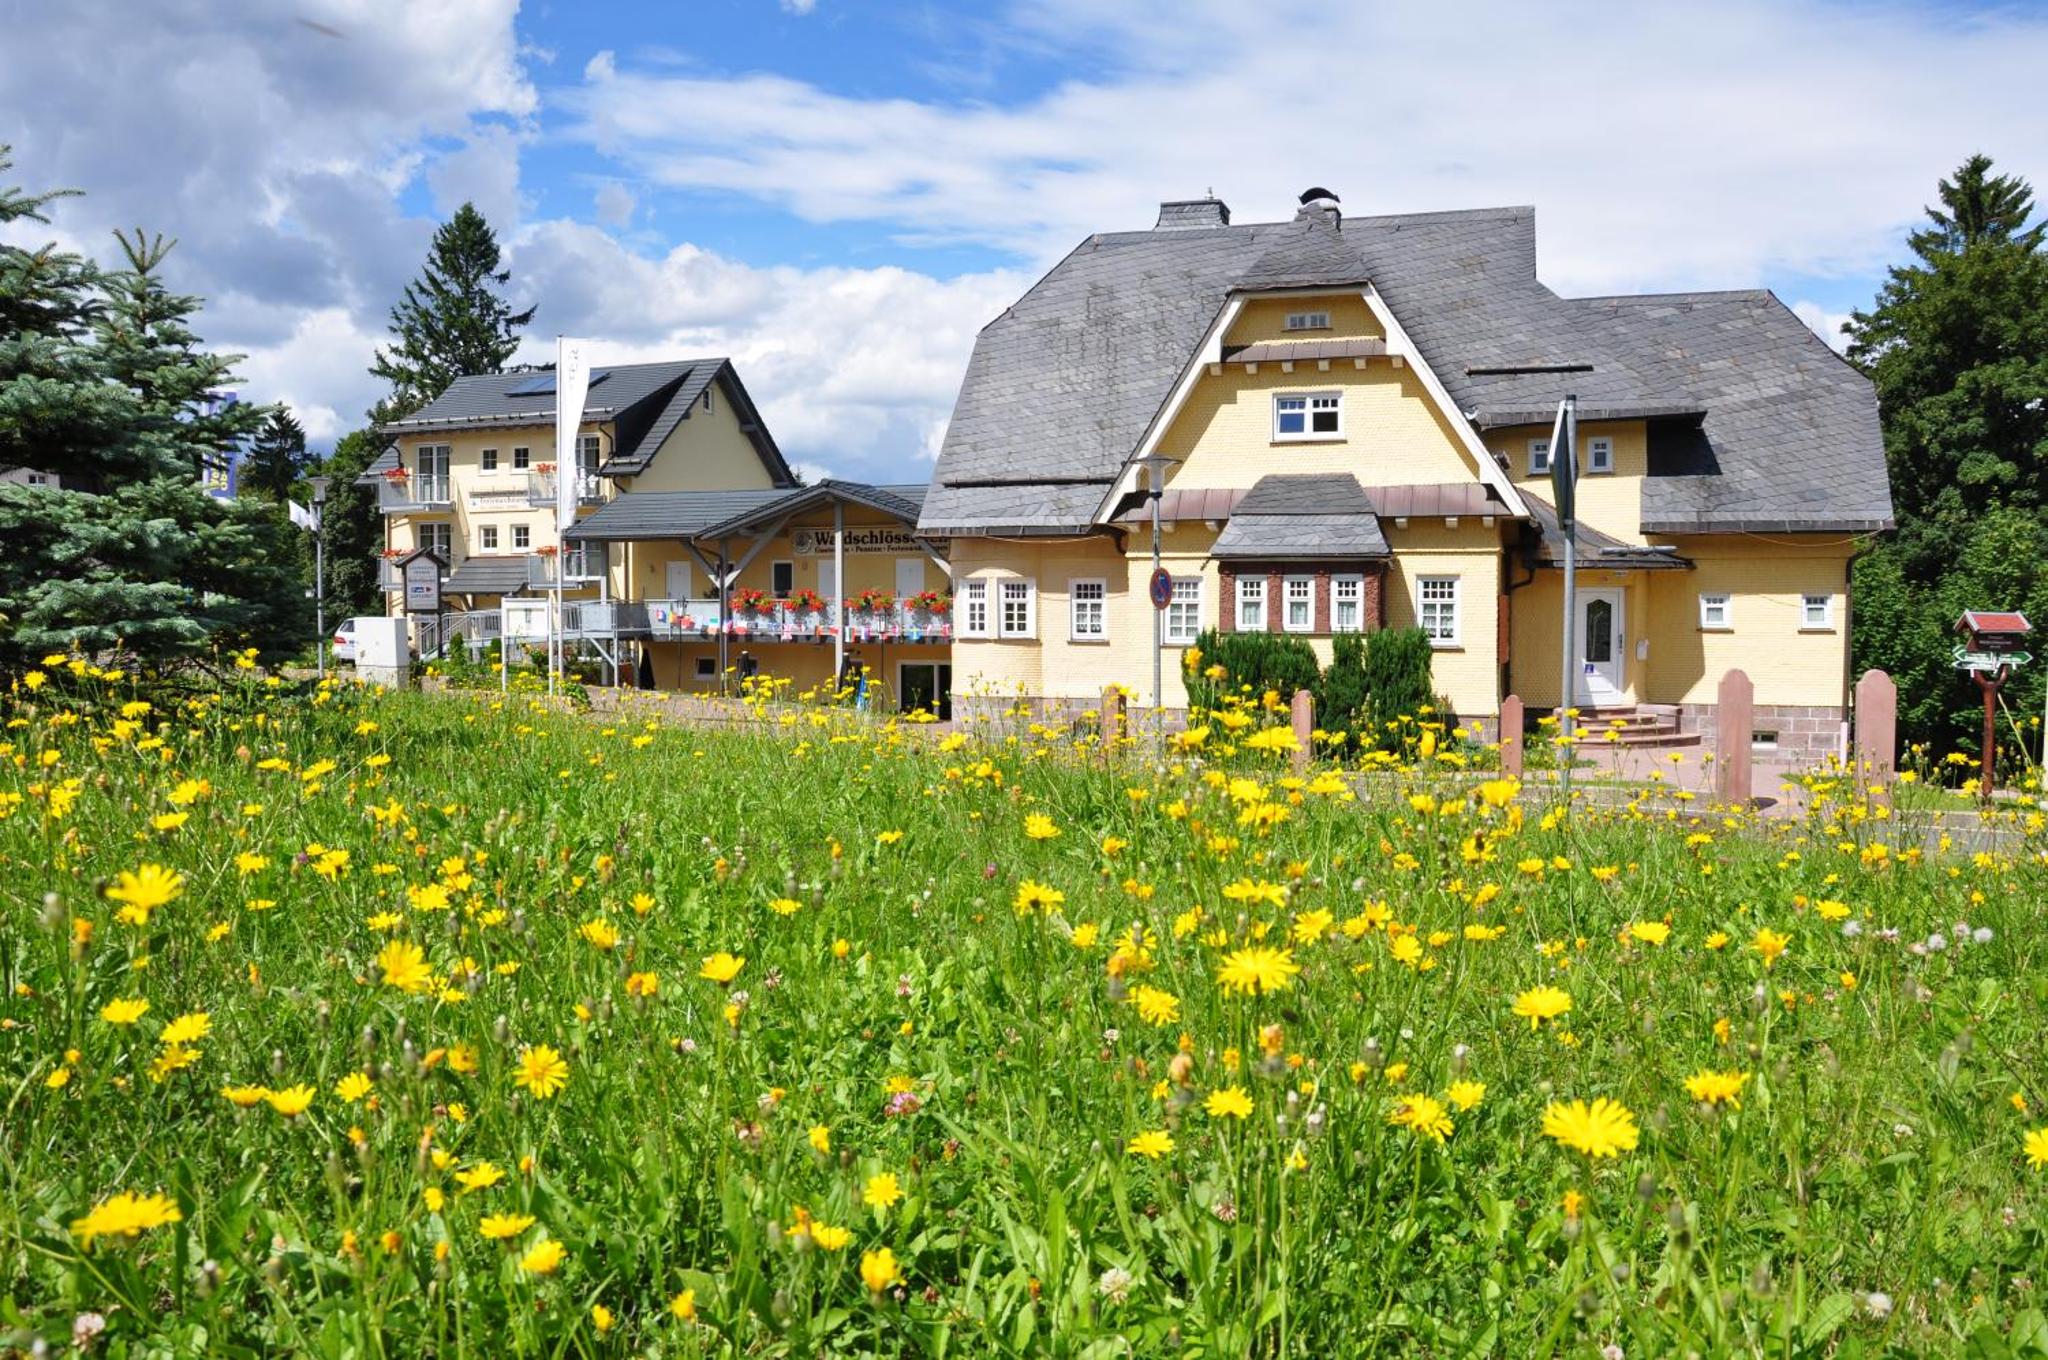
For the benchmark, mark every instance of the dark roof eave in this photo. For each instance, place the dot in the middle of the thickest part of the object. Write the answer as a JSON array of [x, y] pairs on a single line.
[[1767, 526], [1077, 528], [500, 420]]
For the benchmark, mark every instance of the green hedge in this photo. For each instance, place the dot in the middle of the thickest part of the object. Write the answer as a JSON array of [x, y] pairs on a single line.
[[1372, 682]]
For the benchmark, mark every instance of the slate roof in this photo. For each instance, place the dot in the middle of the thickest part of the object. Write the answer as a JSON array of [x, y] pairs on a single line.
[[716, 514], [1303, 515], [488, 576], [643, 403], [1062, 386]]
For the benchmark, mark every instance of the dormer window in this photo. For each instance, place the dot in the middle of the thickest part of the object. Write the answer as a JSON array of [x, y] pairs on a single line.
[[1308, 321], [1307, 415]]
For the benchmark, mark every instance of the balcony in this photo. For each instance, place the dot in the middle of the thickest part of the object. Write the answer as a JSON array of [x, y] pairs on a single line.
[[412, 491], [702, 618], [569, 567], [540, 488]]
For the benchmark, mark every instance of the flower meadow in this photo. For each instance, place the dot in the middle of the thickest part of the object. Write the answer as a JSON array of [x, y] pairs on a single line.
[[342, 1023]]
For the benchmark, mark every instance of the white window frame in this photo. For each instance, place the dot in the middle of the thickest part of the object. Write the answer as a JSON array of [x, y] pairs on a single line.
[[1180, 623], [522, 458], [1290, 587], [589, 452], [487, 460], [1826, 622], [1023, 591], [1308, 433], [1306, 321], [1088, 610], [1339, 586], [1251, 590], [522, 537], [1431, 613], [437, 536], [1600, 455], [1717, 600], [973, 608], [487, 538], [1539, 457]]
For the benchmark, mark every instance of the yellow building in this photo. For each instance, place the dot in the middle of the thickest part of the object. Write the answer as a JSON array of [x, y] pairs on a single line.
[[695, 557], [1349, 421]]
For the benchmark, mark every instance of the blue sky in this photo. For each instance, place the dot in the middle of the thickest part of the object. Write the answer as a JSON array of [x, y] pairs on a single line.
[[839, 193]]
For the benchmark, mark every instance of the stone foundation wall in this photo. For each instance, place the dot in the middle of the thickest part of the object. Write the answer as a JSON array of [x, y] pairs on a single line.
[[1807, 731]]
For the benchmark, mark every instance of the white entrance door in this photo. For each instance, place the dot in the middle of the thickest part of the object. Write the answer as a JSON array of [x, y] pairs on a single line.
[[678, 580], [1602, 645]]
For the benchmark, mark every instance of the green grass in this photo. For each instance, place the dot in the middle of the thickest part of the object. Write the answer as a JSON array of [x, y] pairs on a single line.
[[995, 1063]]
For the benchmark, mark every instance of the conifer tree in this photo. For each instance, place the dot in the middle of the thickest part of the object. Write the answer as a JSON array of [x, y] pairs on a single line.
[[276, 458], [451, 320]]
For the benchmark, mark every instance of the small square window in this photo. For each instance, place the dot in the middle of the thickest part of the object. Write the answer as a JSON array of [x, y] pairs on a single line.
[[489, 458], [1816, 611], [522, 536], [487, 538], [1251, 604], [1310, 415], [1308, 321], [1347, 604], [522, 459], [707, 668], [1600, 455], [1717, 610], [1088, 605], [1183, 618], [1539, 457], [1300, 601]]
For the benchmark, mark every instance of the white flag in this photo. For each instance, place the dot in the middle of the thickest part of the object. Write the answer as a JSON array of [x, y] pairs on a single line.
[[572, 384], [302, 517]]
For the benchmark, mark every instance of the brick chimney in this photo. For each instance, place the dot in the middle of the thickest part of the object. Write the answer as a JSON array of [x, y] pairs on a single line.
[[1191, 214]]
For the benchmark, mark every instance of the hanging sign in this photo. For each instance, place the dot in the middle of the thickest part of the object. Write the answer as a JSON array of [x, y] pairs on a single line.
[[421, 571]]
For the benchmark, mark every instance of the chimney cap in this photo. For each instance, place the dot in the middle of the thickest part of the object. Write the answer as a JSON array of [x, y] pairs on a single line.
[[1316, 192]]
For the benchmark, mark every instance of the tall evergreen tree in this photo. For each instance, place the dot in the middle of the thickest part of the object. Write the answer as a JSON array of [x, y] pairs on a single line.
[[451, 320], [276, 457], [1957, 345], [103, 383], [354, 528]]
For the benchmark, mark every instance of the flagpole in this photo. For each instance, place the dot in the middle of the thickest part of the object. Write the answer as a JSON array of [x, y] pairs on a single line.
[[1564, 473]]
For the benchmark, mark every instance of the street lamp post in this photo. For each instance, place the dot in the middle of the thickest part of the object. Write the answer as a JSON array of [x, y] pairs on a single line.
[[1155, 466], [319, 485]]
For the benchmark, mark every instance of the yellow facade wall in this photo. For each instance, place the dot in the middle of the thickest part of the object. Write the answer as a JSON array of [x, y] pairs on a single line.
[[1787, 662], [1611, 502], [1266, 319], [1392, 432], [1468, 674], [707, 451]]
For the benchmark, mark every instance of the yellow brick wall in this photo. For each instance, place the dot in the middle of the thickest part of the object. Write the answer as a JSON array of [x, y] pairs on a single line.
[[1393, 434], [1536, 624], [1266, 319], [1468, 674], [706, 452], [1765, 577], [1610, 502]]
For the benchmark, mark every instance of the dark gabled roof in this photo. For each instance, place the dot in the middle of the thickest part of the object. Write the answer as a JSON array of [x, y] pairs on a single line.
[[643, 403], [1595, 549], [489, 576], [709, 515], [1303, 515], [1063, 385]]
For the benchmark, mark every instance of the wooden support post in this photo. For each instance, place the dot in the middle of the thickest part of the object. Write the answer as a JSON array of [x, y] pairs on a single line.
[[1304, 729], [1111, 719], [1511, 735], [1734, 726], [1877, 733], [1989, 683]]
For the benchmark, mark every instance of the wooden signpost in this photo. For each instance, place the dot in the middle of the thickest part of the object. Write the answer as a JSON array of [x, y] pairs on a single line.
[[1991, 647]]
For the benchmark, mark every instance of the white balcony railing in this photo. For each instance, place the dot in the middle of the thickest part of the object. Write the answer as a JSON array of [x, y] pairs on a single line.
[[540, 488], [547, 571], [412, 491], [700, 618]]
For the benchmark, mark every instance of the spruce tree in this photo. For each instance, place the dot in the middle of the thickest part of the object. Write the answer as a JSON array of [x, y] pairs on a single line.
[[276, 457], [451, 320], [103, 383], [1957, 345]]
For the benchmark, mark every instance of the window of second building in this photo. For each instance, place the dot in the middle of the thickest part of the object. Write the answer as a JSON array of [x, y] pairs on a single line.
[[1817, 612], [1088, 611], [1308, 321], [1183, 619], [782, 579], [1539, 457], [1717, 610], [1436, 609], [522, 537], [973, 605], [1017, 609], [1600, 455], [1308, 415], [487, 538], [522, 458], [436, 537], [489, 460]]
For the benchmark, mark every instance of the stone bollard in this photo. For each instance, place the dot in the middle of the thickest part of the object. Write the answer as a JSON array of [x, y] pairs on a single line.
[[1734, 728], [1511, 735], [1877, 733], [1304, 729], [1111, 719]]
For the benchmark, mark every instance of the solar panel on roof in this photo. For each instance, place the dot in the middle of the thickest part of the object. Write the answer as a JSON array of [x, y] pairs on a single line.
[[543, 384]]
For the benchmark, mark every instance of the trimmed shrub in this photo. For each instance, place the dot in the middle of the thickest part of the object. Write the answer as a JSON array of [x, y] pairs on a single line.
[[1343, 696], [1264, 661], [1397, 675]]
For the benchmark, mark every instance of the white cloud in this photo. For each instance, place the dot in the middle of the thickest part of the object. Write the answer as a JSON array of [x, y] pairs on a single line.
[[798, 7], [1671, 148], [485, 172], [614, 203], [1829, 326]]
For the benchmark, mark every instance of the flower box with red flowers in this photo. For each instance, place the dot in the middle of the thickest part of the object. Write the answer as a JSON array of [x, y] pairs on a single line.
[[931, 602], [752, 601]]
